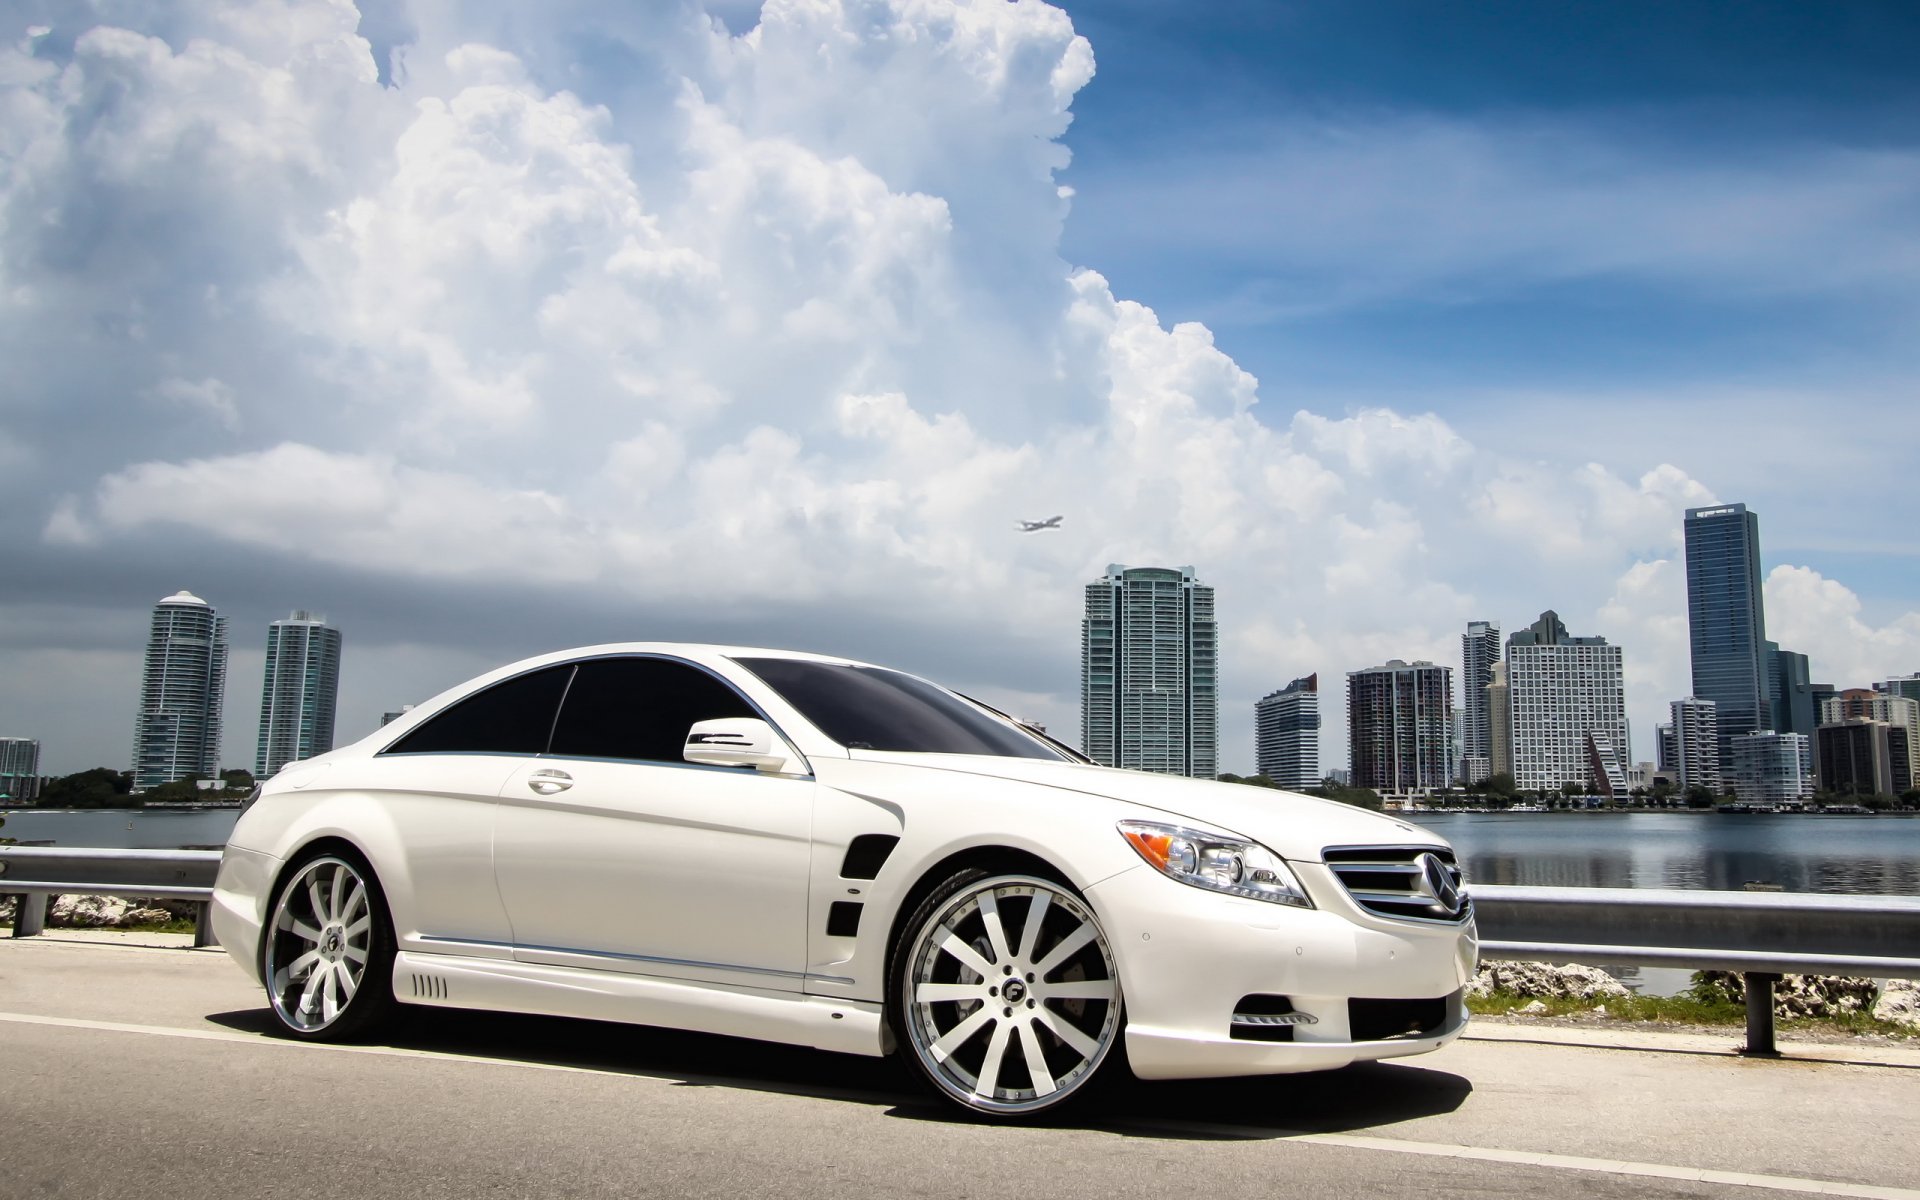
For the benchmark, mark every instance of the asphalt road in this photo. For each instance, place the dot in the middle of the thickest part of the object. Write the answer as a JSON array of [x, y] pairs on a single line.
[[135, 1072]]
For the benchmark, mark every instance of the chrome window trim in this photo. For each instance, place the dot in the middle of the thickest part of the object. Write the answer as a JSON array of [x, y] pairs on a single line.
[[389, 752]]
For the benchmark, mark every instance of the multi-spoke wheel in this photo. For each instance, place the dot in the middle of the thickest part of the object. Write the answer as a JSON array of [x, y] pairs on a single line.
[[1006, 993], [328, 951]]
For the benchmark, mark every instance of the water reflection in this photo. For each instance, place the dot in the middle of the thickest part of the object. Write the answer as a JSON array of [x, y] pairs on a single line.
[[1841, 855]]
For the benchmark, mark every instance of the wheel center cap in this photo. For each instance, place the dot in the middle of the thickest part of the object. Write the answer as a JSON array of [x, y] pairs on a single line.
[[1015, 991], [331, 946]]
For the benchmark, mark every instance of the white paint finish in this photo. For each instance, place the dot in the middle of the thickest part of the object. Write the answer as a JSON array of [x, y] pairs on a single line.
[[696, 864], [641, 876], [766, 1014]]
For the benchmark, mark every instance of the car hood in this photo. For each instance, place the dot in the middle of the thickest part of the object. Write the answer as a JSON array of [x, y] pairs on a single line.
[[1290, 824]]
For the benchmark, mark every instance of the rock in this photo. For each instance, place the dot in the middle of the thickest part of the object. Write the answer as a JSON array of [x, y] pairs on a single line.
[[1544, 979], [1532, 1008], [1899, 1003], [1798, 995], [102, 912], [1600, 1010], [7, 905]]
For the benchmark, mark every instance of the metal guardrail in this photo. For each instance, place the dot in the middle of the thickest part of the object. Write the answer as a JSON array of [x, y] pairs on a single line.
[[35, 873], [1760, 934], [1763, 935]]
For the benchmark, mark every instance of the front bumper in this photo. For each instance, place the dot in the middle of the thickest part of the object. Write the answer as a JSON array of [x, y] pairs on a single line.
[[1188, 957]]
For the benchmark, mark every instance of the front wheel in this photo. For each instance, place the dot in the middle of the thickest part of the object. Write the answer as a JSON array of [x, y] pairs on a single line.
[[1006, 993], [327, 956]]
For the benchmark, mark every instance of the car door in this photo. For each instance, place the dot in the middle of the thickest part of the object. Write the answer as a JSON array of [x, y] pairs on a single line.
[[439, 783], [614, 853]]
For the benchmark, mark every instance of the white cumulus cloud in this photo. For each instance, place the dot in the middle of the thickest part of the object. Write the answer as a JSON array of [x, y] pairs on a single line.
[[763, 322]]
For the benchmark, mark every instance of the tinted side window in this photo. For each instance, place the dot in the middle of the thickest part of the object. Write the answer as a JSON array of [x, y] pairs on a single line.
[[640, 708], [514, 716]]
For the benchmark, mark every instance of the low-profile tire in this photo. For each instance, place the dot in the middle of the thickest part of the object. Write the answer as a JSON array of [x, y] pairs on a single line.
[[1005, 996], [326, 953]]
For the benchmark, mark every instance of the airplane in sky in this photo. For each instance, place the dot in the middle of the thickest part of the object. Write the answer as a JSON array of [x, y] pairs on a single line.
[[1037, 526]]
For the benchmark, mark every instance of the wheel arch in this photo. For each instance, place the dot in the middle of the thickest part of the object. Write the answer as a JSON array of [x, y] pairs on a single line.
[[994, 859]]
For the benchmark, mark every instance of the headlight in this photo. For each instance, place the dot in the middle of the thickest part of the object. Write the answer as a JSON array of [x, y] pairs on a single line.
[[1218, 862]]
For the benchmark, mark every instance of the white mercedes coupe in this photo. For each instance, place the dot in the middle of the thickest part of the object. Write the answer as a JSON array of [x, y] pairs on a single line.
[[804, 849]]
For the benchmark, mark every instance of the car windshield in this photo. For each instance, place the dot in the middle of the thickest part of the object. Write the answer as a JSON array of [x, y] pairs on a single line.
[[867, 708]]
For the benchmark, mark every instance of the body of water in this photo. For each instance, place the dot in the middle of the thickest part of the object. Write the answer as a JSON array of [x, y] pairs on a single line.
[[119, 828], [1870, 855], [1856, 855]]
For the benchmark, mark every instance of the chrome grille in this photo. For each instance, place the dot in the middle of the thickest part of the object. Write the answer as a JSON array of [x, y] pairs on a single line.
[[1396, 882]]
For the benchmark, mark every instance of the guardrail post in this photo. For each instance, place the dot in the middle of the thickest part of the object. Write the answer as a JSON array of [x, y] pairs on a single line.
[[1760, 1015], [29, 914], [203, 925]]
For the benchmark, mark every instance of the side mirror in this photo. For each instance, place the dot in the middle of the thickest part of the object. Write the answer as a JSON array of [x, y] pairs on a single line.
[[738, 742]]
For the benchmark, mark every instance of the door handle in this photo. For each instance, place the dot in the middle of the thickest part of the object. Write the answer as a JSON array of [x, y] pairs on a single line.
[[549, 782]]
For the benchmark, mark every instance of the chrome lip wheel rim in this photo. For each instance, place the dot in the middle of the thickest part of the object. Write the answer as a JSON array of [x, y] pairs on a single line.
[[1012, 998], [318, 944]]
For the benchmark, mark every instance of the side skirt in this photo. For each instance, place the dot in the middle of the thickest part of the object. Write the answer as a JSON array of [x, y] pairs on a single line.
[[823, 1022]]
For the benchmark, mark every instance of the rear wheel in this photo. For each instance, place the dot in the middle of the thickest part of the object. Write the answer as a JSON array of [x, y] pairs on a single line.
[[1005, 994], [327, 956]]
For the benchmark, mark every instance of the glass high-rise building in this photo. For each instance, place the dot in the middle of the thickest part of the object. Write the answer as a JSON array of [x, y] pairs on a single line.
[[1479, 651], [182, 693], [1400, 727], [1794, 710], [1726, 619], [1149, 672], [298, 696], [1286, 734], [19, 770]]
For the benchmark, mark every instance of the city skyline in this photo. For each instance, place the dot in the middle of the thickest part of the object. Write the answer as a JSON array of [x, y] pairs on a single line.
[[1385, 340]]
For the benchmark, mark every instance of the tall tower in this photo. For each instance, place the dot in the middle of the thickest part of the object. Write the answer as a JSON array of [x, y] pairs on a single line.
[[1286, 734], [1567, 692], [1500, 718], [299, 693], [1149, 672], [1479, 650], [1696, 743], [182, 690], [1726, 619], [1400, 726]]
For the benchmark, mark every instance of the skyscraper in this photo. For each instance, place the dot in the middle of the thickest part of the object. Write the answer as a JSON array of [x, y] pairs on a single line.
[[1726, 618], [1479, 651], [1888, 706], [1771, 768], [19, 770], [1565, 689], [1794, 710], [1149, 672], [1696, 743], [182, 693], [1400, 726], [297, 697], [1500, 721], [1901, 685], [1286, 734]]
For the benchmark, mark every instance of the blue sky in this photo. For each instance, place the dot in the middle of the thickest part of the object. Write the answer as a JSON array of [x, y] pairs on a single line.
[[1801, 118]]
